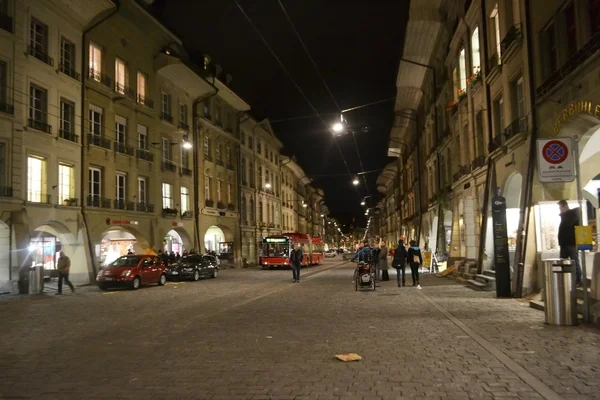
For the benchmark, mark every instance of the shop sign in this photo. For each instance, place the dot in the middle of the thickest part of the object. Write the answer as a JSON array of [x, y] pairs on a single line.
[[501, 254], [427, 259], [577, 107], [583, 238], [123, 222], [177, 224], [555, 160]]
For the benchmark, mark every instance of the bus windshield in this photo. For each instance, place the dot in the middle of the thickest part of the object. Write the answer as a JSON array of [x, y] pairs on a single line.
[[275, 250]]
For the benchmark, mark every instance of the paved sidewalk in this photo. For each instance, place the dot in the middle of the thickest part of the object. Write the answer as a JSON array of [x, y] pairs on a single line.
[[252, 334]]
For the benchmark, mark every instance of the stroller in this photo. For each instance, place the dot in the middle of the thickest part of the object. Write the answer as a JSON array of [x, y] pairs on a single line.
[[364, 276]]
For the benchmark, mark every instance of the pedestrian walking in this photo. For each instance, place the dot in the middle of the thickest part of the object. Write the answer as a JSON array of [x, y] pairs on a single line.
[[383, 262], [399, 262], [415, 260], [296, 261], [375, 260], [63, 266], [569, 219]]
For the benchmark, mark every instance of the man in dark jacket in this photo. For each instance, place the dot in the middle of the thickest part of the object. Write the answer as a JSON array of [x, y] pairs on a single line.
[[399, 262], [296, 261], [569, 218], [415, 260]]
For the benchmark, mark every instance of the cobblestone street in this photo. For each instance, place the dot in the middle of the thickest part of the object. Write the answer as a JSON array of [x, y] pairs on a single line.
[[252, 334]]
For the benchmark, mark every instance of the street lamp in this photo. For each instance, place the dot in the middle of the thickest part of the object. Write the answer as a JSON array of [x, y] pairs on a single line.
[[268, 185], [362, 203], [355, 182]]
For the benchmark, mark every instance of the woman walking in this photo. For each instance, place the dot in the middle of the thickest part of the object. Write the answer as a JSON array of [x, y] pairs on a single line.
[[383, 262], [415, 260], [399, 262]]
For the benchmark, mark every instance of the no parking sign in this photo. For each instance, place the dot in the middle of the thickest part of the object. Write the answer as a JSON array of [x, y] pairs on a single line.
[[555, 160]]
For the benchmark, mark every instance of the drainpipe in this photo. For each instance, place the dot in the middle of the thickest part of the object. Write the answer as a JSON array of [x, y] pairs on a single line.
[[195, 165], [84, 75], [524, 217]]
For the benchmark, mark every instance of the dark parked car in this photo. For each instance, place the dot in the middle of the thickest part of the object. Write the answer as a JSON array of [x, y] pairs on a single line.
[[132, 271], [194, 267]]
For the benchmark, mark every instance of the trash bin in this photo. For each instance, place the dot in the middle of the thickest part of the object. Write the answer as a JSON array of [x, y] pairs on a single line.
[[560, 306], [36, 279]]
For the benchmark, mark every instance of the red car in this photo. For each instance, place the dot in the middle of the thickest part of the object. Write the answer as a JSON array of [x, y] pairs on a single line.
[[132, 271]]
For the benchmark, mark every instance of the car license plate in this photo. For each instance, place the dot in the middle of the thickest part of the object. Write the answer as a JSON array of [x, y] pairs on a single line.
[[108, 278], [174, 273], [366, 278]]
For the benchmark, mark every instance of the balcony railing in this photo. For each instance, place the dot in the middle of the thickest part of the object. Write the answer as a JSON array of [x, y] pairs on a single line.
[[119, 204], [70, 136], [6, 107], [142, 99], [6, 23], [41, 55], [70, 72], [519, 125], [220, 205], [125, 90], [169, 212], [209, 203], [462, 171], [168, 165], [187, 215], [143, 154], [231, 207], [130, 206], [144, 207], [184, 126], [98, 76], [40, 126], [513, 35], [99, 140], [219, 162], [478, 162], [166, 117], [6, 191], [37, 197], [185, 171], [122, 148], [97, 201]]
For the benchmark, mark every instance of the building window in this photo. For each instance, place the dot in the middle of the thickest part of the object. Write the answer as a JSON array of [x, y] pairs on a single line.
[[95, 61], [142, 189], [165, 104], [549, 38], [228, 156], [260, 212], [252, 210], [207, 146], [260, 177], [95, 185], [121, 188], [219, 183], [66, 182], [185, 157], [495, 25], [229, 194], [167, 195], [243, 171], [218, 155], [142, 86], [258, 146], [462, 69], [479, 140], [250, 142], [142, 137], [519, 98], [183, 114], [251, 173], [185, 199], [67, 116], [3, 83], [475, 52], [594, 12], [498, 115], [36, 179], [120, 76], [67, 57], [120, 129], [244, 212], [569, 15], [218, 115], [207, 183], [95, 120], [207, 109], [38, 104], [38, 40], [166, 149]]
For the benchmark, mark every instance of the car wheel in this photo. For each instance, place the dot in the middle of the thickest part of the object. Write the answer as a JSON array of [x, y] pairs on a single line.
[[136, 283], [102, 287], [196, 275], [162, 280], [215, 273]]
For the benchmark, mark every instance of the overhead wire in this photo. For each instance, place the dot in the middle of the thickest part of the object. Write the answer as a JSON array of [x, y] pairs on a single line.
[[260, 35], [314, 64]]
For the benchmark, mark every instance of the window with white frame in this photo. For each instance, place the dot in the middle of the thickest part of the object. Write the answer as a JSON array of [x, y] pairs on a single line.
[[475, 52], [495, 25], [185, 199], [462, 69], [207, 182], [95, 61], [67, 116], [229, 194], [38, 104], [166, 149], [67, 57], [66, 182], [120, 129], [142, 190], [94, 186], [142, 132], [142, 86], [185, 157], [121, 189], [498, 115], [167, 195], [96, 120], [120, 76], [165, 104], [38, 39], [207, 146], [520, 97], [218, 152], [183, 114], [218, 190]]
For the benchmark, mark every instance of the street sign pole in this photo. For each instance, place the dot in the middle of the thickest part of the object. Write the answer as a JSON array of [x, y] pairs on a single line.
[[586, 298]]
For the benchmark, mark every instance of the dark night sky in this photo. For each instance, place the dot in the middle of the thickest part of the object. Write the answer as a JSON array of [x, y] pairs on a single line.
[[356, 45]]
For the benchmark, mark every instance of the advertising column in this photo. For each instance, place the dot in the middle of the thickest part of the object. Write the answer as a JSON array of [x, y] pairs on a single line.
[[501, 255]]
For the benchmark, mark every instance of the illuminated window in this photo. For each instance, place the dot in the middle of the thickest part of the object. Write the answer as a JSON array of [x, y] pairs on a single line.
[[95, 61], [462, 69], [66, 180], [185, 199], [219, 190], [475, 52], [142, 85], [167, 195], [495, 25], [36, 179], [120, 76]]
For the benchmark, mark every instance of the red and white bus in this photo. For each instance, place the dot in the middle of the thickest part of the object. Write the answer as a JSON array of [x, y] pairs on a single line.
[[276, 249]]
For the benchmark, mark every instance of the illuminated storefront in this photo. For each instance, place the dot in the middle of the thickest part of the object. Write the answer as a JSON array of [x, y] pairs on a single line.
[[115, 244]]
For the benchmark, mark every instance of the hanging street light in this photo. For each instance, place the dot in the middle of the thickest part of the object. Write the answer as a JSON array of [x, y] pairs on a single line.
[[355, 182]]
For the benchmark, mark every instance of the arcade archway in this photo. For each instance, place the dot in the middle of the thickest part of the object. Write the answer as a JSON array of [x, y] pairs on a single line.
[[512, 193], [118, 241], [218, 239], [176, 241]]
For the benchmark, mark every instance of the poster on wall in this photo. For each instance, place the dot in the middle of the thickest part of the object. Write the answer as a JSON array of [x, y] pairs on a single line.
[[501, 253]]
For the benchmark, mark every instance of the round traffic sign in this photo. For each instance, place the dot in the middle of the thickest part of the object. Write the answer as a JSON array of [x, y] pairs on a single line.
[[555, 152]]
